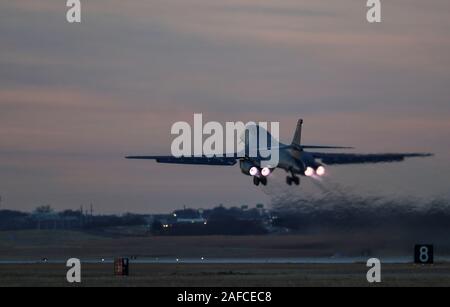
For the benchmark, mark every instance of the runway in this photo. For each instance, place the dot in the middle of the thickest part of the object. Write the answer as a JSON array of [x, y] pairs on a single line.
[[285, 260]]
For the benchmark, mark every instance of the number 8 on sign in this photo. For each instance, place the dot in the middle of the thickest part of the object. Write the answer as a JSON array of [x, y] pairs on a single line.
[[423, 254]]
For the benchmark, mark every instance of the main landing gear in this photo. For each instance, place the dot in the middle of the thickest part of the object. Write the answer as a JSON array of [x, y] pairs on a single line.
[[257, 180]]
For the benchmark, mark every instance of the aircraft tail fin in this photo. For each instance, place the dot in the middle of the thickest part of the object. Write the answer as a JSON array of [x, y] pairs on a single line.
[[297, 140]]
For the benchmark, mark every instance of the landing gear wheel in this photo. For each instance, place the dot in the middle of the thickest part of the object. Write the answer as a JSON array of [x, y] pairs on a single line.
[[289, 180], [296, 180], [263, 180], [256, 180]]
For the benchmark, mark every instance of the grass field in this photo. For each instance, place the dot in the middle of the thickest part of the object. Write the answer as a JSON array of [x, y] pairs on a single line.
[[35, 245], [227, 275], [61, 245]]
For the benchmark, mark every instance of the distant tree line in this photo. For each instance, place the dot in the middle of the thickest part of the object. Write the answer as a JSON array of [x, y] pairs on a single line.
[[216, 221], [44, 217]]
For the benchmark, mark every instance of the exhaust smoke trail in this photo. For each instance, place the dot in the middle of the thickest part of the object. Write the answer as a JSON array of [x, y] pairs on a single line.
[[325, 207]]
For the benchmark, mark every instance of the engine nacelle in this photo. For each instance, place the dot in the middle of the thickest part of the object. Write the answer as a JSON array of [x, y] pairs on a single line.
[[248, 168], [253, 169], [320, 170], [266, 171], [314, 169]]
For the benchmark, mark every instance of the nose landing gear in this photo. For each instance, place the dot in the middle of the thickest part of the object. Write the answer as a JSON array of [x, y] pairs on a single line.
[[292, 179]]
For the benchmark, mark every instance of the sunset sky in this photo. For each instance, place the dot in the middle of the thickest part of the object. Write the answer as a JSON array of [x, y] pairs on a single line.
[[76, 98]]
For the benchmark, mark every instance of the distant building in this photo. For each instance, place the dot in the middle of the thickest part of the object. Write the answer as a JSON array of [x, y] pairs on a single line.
[[190, 216]]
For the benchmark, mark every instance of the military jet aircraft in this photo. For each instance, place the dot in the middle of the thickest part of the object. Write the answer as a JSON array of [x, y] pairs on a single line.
[[293, 158]]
